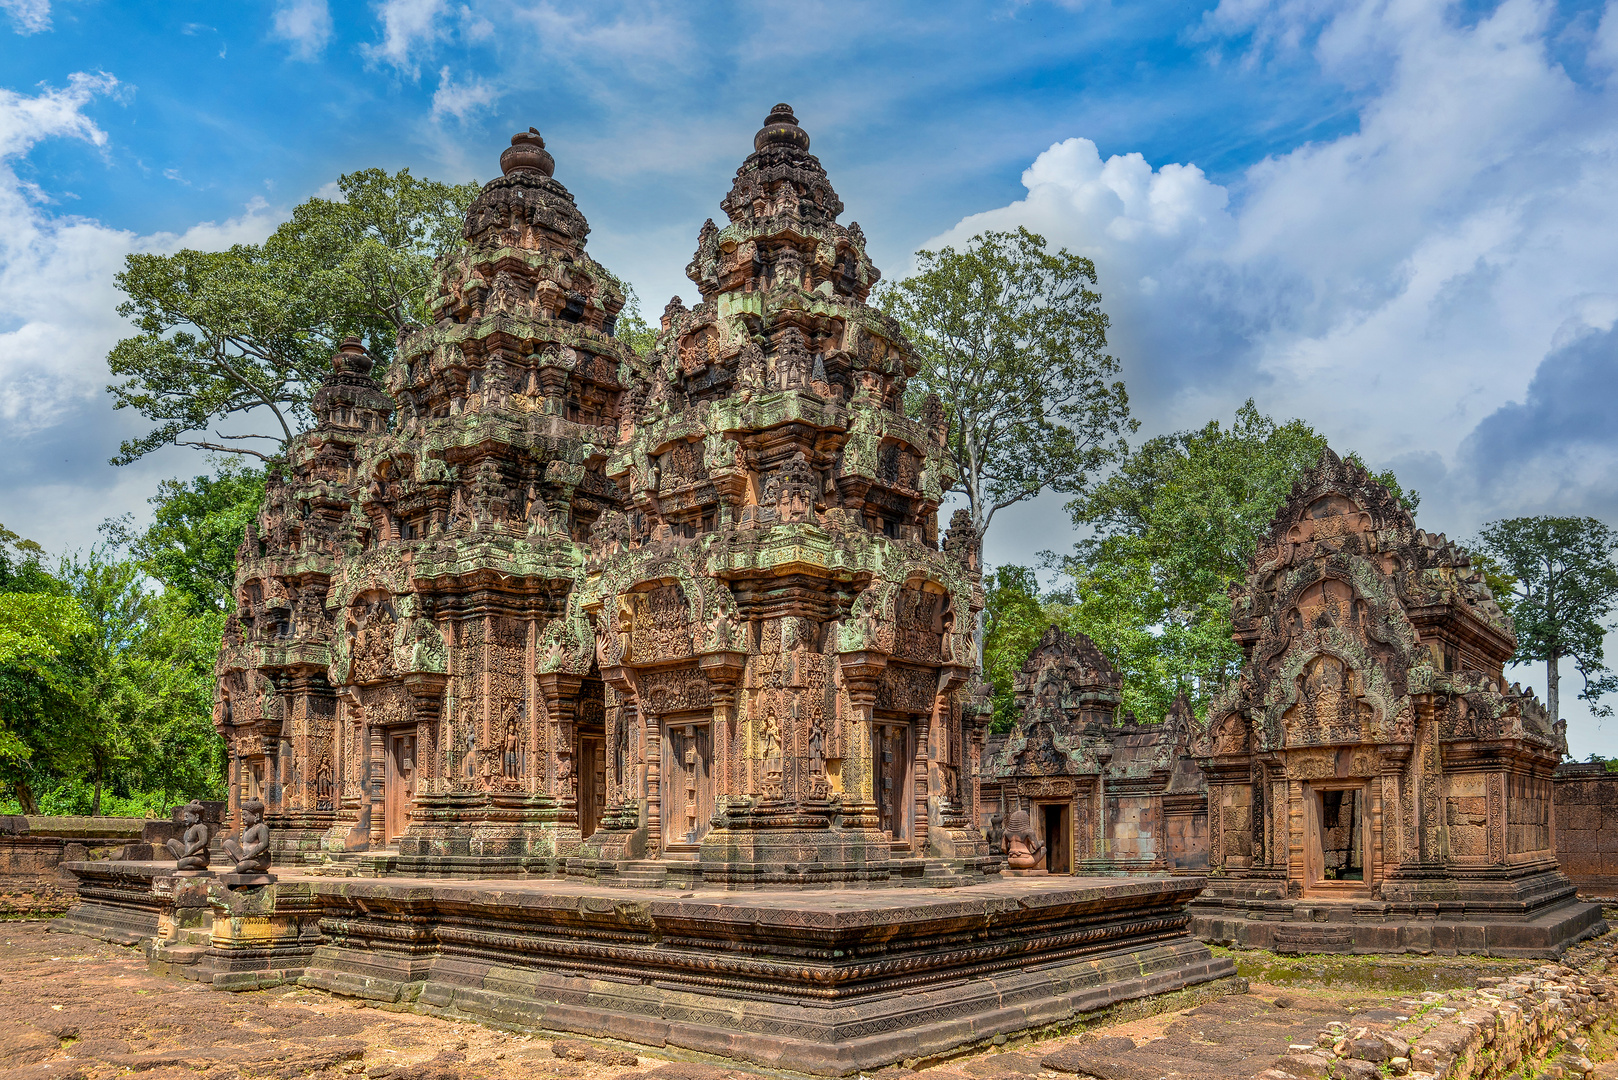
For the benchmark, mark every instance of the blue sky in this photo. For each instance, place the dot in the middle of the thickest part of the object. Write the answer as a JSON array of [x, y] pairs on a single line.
[[1391, 218]]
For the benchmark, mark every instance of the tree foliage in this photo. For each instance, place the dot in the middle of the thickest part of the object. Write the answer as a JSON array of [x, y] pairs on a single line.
[[1170, 531], [190, 547], [1013, 341], [240, 338], [1563, 582], [106, 686], [39, 623]]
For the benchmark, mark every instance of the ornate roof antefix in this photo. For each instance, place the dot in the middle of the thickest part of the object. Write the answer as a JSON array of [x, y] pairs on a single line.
[[1349, 611]]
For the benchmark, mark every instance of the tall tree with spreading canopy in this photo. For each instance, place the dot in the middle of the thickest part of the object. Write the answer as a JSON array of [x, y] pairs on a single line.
[[241, 338], [1564, 584], [1013, 341]]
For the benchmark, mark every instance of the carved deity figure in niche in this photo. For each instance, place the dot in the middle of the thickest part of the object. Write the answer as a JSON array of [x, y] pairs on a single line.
[[1328, 709], [190, 850], [1023, 849], [325, 785], [769, 751], [251, 852], [511, 748], [539, 513]]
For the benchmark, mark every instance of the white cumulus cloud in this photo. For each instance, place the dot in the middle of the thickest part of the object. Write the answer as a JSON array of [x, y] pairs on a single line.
[[1395, 285], [461, 100], [56, 270], [409, 28]]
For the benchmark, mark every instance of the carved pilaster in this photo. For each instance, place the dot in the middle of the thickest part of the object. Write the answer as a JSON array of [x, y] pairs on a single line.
[[862, 672], [561, 692]]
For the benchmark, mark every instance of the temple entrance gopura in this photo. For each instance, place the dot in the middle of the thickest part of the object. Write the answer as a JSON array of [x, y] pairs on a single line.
[[1104, 793]]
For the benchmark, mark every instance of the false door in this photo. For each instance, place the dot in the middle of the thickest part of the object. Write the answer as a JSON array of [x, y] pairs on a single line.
[[891, 748], [399, 786], [592, 772], [688, 786]]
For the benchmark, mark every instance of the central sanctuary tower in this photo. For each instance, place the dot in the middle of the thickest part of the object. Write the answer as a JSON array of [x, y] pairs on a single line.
[[579, 611]]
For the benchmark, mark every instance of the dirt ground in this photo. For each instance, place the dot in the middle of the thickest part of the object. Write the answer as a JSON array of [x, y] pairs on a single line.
[[72, 1008]]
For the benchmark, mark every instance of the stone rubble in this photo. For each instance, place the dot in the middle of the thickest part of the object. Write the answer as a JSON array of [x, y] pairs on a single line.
[[1541, 1024]]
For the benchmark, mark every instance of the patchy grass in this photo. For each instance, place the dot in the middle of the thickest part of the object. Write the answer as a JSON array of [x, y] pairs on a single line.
[[1347, 971]]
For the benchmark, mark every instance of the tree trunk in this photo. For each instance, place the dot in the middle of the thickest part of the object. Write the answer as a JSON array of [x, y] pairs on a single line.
[[25, 798], [1553, 687], [95, 804]]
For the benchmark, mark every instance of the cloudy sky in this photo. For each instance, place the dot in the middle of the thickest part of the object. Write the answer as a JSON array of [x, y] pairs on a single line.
[[1393, 219]]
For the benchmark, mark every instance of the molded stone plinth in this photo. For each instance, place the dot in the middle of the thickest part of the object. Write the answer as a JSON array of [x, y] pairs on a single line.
[[237, 881], [824, 982], [1365, 926]]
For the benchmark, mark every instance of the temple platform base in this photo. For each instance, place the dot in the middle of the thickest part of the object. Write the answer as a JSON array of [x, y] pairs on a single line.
[[829, 983], [1447, 928]]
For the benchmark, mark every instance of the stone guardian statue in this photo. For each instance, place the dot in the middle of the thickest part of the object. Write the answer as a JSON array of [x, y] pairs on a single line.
[[190, 850]]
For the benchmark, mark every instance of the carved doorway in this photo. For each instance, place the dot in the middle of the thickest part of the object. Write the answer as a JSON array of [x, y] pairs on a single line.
[[399, 783], [687, 786], [1058, 837], [1337, 839], [592, 773], [890, 746]]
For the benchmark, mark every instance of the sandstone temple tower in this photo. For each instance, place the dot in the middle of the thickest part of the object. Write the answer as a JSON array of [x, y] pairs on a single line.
[[548, 606], [1373, 782]]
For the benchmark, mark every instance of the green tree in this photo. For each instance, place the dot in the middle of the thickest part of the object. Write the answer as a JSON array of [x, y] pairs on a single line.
[[39, 624], [1013, 341], [632, 328], [1171, 530], [1565, 583], [1014, 617], [142, 670], [243, 336], [197, 525]]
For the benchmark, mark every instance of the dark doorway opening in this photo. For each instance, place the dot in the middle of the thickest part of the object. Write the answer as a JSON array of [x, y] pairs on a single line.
[[1342, 841], [1058, 845]]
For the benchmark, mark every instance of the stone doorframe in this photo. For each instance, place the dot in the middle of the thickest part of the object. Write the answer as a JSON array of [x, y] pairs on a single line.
[[1315, 884]]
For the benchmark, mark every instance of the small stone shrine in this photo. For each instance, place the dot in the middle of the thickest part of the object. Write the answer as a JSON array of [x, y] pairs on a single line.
[[1373, 783], [1104, 794], [597, 692]]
